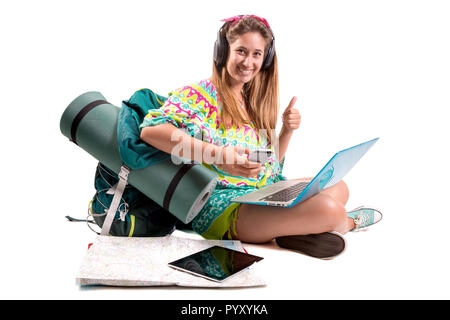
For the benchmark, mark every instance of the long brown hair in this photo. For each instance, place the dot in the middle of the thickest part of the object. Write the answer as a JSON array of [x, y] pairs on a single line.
[[261, 94]]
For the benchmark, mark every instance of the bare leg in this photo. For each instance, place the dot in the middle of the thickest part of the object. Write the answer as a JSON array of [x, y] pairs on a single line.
[[339, 191], [321, 213]]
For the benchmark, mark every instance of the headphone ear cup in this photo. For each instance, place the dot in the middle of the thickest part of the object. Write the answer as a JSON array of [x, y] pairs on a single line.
[[269, 56], [220, 50], [216, 53]]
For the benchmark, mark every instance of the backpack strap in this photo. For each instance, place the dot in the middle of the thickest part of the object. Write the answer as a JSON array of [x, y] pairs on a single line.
[[123, 180]]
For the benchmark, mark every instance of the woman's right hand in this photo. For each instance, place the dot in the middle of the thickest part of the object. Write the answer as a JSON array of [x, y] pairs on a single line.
[[234, 161]]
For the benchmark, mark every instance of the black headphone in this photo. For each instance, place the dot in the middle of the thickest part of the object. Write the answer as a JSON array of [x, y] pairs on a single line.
[[221, 50]]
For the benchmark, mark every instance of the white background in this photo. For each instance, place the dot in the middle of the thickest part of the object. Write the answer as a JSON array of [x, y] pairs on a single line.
[[360, 69]]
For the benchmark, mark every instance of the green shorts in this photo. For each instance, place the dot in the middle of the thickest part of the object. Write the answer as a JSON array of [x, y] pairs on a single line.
[[224, 227], [219, 214]]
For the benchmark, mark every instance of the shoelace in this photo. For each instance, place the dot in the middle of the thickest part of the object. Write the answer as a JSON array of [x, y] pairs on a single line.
[[362, 220]]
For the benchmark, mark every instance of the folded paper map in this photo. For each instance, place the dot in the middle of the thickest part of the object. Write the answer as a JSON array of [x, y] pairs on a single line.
[[122, 261]]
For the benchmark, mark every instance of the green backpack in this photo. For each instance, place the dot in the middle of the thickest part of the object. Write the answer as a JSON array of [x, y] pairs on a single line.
[[136, 214]]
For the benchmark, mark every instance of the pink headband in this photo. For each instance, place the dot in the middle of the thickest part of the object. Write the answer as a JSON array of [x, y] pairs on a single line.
[[237, 18]]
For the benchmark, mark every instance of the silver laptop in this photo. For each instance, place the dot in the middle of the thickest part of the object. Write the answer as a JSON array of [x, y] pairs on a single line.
[[290, 192]]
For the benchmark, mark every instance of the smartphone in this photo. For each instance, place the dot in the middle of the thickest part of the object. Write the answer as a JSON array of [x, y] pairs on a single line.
[[260, 155]]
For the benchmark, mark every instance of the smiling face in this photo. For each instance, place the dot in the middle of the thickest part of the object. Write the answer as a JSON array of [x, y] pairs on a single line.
[[245, 57]]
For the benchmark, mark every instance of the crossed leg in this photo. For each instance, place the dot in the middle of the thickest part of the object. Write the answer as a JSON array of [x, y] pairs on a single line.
[[323, 212]]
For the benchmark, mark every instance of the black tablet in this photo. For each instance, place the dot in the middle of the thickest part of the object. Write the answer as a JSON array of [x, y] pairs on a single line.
[[215, 263]]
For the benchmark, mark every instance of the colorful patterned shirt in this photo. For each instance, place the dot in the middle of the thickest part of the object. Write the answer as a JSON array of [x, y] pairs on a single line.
[[196, 110]]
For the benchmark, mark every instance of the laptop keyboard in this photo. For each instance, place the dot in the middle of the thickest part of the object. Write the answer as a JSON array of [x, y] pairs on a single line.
[[287, 194]]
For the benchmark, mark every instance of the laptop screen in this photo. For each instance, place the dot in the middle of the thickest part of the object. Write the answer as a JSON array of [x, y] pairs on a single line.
[[333, 172]]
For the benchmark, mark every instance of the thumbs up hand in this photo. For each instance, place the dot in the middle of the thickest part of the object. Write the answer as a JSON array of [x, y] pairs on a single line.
[[291, 117]]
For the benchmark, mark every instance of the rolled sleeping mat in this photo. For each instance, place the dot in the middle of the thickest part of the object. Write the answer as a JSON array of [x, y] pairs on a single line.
[[182, 189]]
